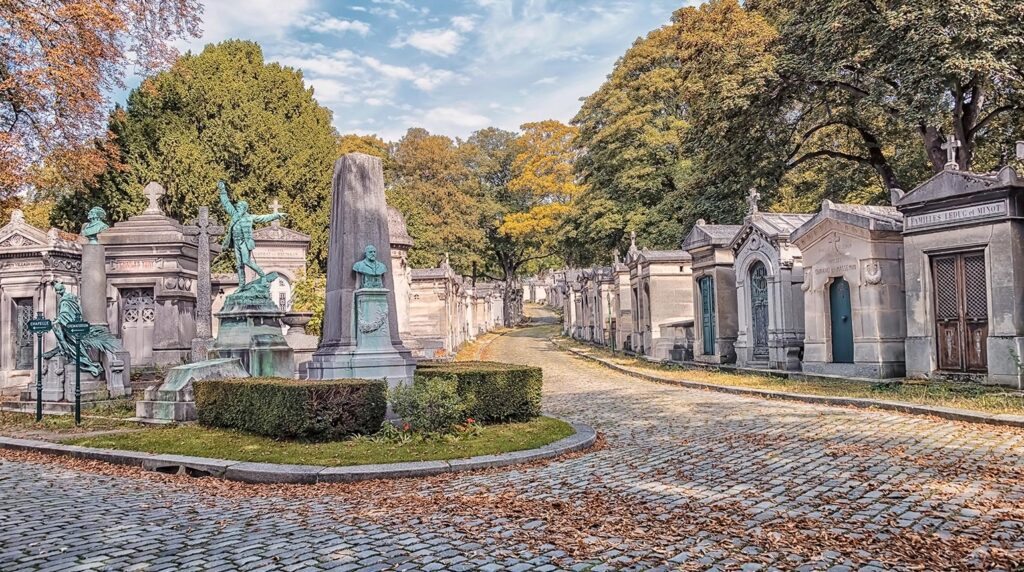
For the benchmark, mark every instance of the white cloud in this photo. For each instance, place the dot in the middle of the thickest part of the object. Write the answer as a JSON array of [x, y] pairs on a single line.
[[440, 41], [463, 23], [445, 120], [550, 80], [325, 23]]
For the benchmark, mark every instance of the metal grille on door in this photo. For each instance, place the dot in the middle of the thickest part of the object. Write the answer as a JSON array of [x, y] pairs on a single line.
[[23, 337], [961, 311], [759, 309], [138, 315]]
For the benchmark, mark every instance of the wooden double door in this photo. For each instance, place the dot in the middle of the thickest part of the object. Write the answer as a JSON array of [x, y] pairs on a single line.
[[961, 311]]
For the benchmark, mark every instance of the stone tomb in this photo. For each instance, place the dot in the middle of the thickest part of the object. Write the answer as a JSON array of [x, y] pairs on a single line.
[[621, 307], [30, 259], [854, 312], [769, 299], [151, 274], [714, 292], [662, 293], [963, 238]]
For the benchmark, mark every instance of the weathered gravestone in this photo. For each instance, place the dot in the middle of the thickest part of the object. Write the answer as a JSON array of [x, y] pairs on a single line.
[[360, 332]]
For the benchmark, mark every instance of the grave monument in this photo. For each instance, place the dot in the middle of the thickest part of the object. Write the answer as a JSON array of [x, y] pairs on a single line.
[[360, 333], [250, 321]]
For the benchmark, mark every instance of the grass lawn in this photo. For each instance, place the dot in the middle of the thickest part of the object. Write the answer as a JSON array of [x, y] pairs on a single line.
[[108, 417], [990, 399], [228, 444]]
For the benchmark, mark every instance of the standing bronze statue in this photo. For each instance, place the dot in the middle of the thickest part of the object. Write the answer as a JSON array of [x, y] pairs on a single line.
[[239, 234]]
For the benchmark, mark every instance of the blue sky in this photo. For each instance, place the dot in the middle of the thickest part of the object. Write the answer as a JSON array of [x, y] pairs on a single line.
[[452, 67]]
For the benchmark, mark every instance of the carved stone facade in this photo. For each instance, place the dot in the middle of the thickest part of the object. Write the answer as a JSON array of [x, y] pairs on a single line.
[[964, 269], [446, 311], [30, 259], [854, 302], [716, 318], [769, 277], [151, 287]]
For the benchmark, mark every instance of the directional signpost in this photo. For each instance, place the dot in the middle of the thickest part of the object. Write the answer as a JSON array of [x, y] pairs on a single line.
[[77, 330], [39, 326]]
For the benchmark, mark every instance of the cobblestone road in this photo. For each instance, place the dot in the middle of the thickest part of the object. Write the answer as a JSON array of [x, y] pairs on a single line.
[[686, 479]]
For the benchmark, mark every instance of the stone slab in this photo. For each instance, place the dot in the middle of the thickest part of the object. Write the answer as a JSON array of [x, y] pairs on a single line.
[[385, 471], [272, 473], [192, 466]]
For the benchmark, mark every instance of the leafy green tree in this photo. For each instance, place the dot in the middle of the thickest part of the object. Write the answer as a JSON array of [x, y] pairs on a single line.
[[435, 189], [310, 296], [884, 84], [221, 114], [645, 133]]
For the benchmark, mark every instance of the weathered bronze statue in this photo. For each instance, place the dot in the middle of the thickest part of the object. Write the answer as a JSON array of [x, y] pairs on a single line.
[[239, 234]]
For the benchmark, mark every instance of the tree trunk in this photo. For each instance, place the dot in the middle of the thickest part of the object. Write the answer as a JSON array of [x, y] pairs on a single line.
[[511, 299]]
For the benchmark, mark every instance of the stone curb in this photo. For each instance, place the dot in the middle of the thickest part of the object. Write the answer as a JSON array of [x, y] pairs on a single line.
[[583, 439], [949, 413]]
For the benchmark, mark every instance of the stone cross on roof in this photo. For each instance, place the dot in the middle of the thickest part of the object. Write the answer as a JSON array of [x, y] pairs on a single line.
[[153, 192], [752, 197], [276, 206], [950, 147]]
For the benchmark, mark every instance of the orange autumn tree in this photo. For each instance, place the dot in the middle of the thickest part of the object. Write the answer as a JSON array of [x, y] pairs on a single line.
[[58, 59], [536, 198]]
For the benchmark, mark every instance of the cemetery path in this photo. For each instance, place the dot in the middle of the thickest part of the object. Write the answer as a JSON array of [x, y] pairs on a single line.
[[684, 479]]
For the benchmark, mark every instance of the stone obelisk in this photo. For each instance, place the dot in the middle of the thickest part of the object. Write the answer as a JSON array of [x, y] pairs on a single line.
[[359, 219]]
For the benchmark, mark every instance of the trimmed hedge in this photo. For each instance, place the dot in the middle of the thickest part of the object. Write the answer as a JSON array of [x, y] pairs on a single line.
[[293, 409], [498, 391]]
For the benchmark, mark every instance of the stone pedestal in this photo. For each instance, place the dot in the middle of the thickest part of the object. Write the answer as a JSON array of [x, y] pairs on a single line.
[[117, 369], [373, 356], [173, 400], [303, 344], [59, 384], [94, 284], [250, 330]]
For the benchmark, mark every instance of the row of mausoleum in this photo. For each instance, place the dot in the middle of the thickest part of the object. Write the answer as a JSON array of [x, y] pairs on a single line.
[[153, 284], [931, 286]]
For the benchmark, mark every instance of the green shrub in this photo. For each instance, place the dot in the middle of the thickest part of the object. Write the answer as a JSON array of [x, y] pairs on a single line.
[[293, 409], [431, 405], [499, 391]]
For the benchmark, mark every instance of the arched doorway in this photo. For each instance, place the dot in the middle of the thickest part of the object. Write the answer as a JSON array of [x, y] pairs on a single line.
[[842, 321], [759, 309]]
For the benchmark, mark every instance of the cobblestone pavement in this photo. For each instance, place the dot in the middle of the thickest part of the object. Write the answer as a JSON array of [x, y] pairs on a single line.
[[686, 479]]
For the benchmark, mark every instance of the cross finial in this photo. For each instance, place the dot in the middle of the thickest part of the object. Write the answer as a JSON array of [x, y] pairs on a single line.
[[951, 147], [276, 206], [752, 197], [153, 192]]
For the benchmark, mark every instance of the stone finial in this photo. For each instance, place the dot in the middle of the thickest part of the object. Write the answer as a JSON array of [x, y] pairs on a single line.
[[951, 147], [701, 222], [275, 207], [153, 192], [1020, 150], [752, 198], [896, 195], [17, 216], [826, 205], [53, 236]]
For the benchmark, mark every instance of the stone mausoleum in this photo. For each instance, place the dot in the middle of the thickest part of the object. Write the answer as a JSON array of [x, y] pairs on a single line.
[[854, 311], [769, 276], [963, 236], [714, 292], [30, 260]]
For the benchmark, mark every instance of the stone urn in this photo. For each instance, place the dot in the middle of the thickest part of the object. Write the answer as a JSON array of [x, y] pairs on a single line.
[[297, 320]]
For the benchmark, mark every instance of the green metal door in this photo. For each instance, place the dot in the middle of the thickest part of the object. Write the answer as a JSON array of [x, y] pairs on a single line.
[[707, 307], [842, 321], [759, 309]]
